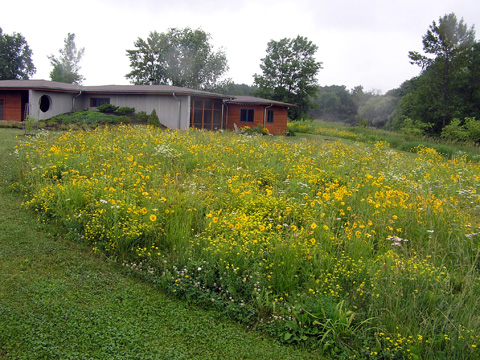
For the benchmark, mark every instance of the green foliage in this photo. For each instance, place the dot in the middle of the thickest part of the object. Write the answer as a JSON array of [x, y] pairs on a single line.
[[179, 57], [228, 87], [469, 131], [107, 108], [125, 110], [455, 131], [257, 130], [141, 117], [473, 128], [407, 140], [153, 119], [334, 103], [413, 127], [301, 238], [450, 67], [15, 57], [11, 124], [66, 67], [59, 301], [445, 150], [84, 117], [289, 74], [122, 119], [363, 123], [377, 110], [30, 123]]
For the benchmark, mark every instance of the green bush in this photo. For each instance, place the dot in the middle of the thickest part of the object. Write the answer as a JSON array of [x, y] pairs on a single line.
[[473, 128], [125, 110], [81, 117], [107, 108], [11, 124], [141, 117], [414, 127], [469, 131], [53, 121], [454, 131], [153, 119], [259, 129], [122, 120]]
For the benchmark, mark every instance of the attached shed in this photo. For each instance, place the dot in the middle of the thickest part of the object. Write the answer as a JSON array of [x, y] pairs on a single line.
[[252, 111]]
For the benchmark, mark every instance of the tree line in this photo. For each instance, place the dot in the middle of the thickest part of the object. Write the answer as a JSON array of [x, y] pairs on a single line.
[[446, 93]]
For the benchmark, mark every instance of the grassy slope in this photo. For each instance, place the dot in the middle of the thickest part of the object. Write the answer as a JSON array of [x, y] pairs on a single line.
[[58, 300]]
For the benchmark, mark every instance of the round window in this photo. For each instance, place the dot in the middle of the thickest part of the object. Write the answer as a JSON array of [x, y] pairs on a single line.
[[45, 103]]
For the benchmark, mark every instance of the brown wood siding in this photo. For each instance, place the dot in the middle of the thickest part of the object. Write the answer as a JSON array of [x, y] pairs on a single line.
[[280, 116], [12, 105]]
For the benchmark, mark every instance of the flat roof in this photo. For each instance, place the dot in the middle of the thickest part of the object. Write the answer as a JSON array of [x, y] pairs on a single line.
[[104, 89], [46, 85]]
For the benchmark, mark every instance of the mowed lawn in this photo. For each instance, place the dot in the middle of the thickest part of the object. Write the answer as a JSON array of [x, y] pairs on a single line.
[[60, 301]]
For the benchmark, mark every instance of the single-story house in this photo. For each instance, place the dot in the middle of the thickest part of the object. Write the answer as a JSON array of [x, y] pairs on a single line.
[[176, 107]]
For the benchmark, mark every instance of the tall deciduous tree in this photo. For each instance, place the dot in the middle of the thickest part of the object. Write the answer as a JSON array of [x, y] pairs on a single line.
[[15, 57], [446, 46], [66, 67], [289, 73], [179, 57]]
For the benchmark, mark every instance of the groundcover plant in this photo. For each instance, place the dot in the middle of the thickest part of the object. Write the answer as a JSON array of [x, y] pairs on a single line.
[[354, 250]]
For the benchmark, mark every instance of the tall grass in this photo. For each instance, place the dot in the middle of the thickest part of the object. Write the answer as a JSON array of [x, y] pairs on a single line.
[[353, 249], [396, 140]]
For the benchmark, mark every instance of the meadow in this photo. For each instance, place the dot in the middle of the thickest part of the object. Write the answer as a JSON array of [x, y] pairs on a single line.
[[349, 249], [409, 139], [59, 301]]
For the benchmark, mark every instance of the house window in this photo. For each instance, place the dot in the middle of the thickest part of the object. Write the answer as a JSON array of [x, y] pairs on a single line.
[[94, 102], [247, 115], [45, 103], [270, 116], [206, 114], [2, 104]]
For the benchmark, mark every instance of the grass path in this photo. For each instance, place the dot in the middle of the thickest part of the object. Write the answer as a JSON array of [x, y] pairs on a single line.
[[59, 301]]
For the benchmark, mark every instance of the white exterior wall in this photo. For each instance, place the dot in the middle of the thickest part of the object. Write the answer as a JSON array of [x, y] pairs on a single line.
[[166, 107], [60, 103], [172, 113]]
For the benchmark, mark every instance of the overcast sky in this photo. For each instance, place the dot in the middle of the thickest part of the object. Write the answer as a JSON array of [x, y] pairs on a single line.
[[359, 42]]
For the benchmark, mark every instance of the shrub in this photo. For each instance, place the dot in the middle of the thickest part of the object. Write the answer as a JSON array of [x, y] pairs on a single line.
[[125, 110], [259, 129], [153, 119], [469, 131], [122, 120], [363, 123], [414, 127], [290, 132], [51, 122], [141, 117], [473, 129], [107, 108], [454, 131], [11, 124]]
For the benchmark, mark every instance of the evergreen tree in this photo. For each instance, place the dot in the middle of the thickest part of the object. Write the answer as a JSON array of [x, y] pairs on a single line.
[[447, 46]]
